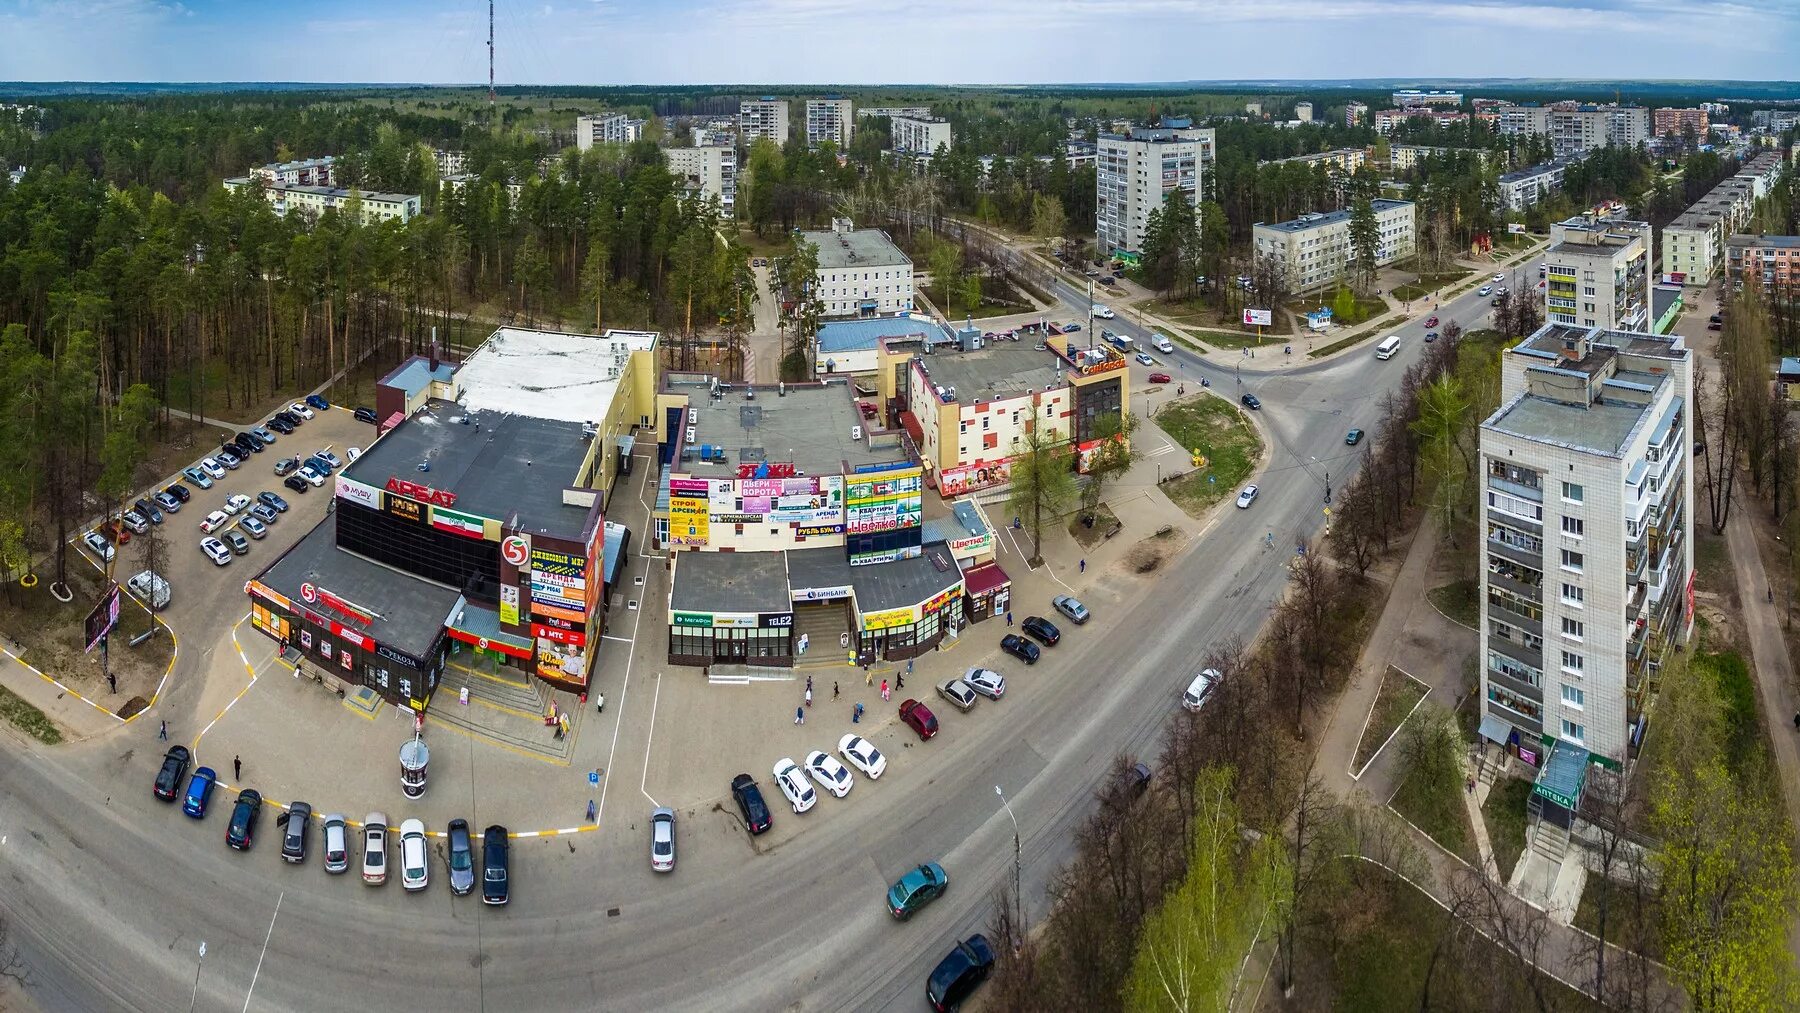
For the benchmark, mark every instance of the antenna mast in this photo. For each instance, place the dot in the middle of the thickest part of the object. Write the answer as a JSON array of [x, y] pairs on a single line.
[[490, 55]]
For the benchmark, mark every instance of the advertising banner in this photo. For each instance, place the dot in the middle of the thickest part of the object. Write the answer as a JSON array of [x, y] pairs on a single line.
[[809, 530], [689, 519], [509, 605], [574, 638], [400, 506], [969, 478], [467, 525], [548, 610], [884, 502], [689, 487], [976, 545], [890, 618], [560, 661], [356, 492], [559, 563], [821, 593], [1258, 318]]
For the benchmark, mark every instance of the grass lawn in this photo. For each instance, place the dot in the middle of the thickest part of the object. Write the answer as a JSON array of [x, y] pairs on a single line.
[[1367, 307], [1219, 431], [1459, 600], [997, 300], [50, 634], [28, 719], [1504, 814], [1242, 339], [1399, 694], [1429, 798], [1635, 930], [1343, 343]]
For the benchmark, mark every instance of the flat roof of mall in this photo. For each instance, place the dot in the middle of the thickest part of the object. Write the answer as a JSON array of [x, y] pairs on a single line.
[[809, 427], [730, 582], [409, 612], [997, 369], [512, 468], [548, 374]]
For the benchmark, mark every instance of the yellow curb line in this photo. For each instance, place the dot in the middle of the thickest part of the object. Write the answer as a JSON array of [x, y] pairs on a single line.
[[66, 689]]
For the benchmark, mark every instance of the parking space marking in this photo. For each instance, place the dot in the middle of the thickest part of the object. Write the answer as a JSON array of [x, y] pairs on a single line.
[[622, 640], [644, 781], [265, 949]]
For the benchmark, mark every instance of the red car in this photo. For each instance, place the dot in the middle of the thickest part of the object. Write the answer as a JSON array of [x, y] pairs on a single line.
[[1159, 378], [919, 718], [1430, 322]]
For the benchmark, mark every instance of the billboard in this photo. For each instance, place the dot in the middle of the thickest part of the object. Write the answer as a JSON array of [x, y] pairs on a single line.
[[689, 511], [884, 501], [1258, 318], [969, 477], [467, 525], [104, 617]]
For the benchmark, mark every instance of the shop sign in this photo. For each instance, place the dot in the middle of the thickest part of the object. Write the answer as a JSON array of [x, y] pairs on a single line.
[[353, 636], [560, 563], [766, 469], [891, 618], [422, 493], [560, 623], [467, 525], [402, 507], [942, 598], [515, 549], [261, 590], [774, 620], [549, 596], [485, 644], [969, 477], [312, 594], [395, 656], [974, 545], [864, 469], [356, 492], [734, 620], [699, 619], [810, 530], [544, 608], [822, 593], [737, 518], [688, 487], [574, 638], [884, 556], [564, 587], [509, 605]]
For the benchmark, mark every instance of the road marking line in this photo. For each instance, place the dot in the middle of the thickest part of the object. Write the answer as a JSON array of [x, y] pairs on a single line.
[[622, 640], [644, 781], [265, 949]]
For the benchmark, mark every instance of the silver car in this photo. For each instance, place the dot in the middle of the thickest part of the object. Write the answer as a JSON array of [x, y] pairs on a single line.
[[957, 692], [662, 839], [337, 843], [986, 681], [375, 833], [1071, 606]]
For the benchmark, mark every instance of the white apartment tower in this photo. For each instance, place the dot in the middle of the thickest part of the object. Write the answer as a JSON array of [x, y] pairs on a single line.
[[763, 117], [1316, 248], [709, 170], [1597, 273], [606, 128], [1586, 515], [1135, 172], [829, 119], [918, 135]]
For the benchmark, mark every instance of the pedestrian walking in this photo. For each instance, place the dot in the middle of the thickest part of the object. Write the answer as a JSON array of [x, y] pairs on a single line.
[[868, 676], [834, 689], [884, 689], [1084, 565], [856, 715], [809, 684], [809, 696], [1009, 617], [900, 680], [799, 715], [237, 769], [112, 683], [163, 731]]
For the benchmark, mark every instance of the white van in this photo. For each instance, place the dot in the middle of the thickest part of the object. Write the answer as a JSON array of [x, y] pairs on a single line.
[[1389, 345], [1103, 312], [151, 588], [1162, 344]]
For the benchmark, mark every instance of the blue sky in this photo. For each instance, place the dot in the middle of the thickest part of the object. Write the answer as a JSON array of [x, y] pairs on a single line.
[[883, 41]]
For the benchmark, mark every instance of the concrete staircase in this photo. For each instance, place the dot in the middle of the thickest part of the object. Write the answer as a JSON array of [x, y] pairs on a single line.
[[823, 627], [505, 708]]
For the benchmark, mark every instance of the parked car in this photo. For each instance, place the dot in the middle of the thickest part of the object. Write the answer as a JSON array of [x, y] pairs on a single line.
[[862, 754], [150, 589], [178, 492], [919, 887], [216, 551], [415, 871], [300, 408], [496, 866], [101, 547], [1252, 402], [262, 512], [273, 500], [318, 402], [1135, 779], [294, 824], [239, 544], [793, 784], [919, 718], [296, 483], [462, 858], [168, 779], [365, 415], [200, 478], [279, 425], [214, 470], [986, 681], [959, 973], [148, 511], [262, 433], [229, 457], [1247, 497], [336, 833], [750, 803], [375, 834], [1042, 630], [1715, 326], [116, 531], [1071, 328], [170, 502], [310, 475], [1200, 690], [1159, 378], [236, 502], [957, 692], [832, 776], [199, 792], [331, 460], [1353, 437], [318, 464], [240, 833], [1071, 606], [1020, 648], [291, 417], [662, 839], [249, 444]]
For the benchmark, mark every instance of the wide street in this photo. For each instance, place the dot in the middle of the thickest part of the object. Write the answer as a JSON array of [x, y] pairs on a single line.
[[110, 894]]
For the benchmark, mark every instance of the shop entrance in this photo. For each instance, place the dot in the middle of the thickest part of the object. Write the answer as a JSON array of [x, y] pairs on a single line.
[[824, 628]]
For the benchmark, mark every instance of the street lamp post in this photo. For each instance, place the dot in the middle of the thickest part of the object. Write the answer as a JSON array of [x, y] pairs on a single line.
[[195, 999], [1018, 897]]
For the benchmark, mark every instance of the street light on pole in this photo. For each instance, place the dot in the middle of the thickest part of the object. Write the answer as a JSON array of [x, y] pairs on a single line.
[[195, 999], [1018, 897]]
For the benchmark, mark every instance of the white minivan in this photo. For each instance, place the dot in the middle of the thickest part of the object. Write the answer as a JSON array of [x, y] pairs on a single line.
[[1389, 345], [1162, 344]]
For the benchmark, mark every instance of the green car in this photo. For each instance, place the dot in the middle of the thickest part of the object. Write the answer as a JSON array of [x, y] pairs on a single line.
[[916, 889]]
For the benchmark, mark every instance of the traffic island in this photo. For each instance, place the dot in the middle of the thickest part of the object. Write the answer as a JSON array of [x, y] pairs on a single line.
[[1222, 445]]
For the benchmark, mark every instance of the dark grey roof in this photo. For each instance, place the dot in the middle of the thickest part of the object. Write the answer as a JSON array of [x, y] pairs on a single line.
[[827, 566], [508, 467], [904, 582], [411, 612], [730, 582]]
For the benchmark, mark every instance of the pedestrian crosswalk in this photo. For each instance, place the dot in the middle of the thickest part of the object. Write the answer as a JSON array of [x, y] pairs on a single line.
[[1167, 448]]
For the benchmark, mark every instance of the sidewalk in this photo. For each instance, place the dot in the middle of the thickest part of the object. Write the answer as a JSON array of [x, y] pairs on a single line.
[[77, 716]]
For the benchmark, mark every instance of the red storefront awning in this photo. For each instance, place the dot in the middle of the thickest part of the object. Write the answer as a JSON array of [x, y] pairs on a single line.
[[984, 579]]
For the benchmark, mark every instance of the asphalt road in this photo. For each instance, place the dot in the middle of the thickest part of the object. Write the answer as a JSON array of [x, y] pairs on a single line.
[[110, 893]]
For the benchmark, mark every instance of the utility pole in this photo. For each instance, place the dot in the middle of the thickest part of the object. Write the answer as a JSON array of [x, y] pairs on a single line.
[[1018, 897]]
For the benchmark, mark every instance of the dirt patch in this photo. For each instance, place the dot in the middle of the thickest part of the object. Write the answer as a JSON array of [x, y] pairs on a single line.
[[50, 635], [1090, 535], [185, 442]]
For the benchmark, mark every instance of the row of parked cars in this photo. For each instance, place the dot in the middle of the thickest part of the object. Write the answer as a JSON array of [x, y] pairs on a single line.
[[1043, 630], [823, 768], [337, 843]]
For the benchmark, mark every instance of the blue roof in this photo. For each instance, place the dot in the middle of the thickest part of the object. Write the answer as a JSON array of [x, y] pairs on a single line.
[[861, 335], [413, 374], [1564, 772]]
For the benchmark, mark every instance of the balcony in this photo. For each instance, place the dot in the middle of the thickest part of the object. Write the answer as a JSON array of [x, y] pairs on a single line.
[[1503, 549], [1520, 653], [1531, 492]]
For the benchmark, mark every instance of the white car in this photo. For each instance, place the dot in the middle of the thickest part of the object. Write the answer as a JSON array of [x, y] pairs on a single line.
[[662, 839], [1103, 312], [862, 755], [212, 467], [213, 522], [1247, 497], [216, 551], [986, 681], [151, 589], [237, 503], [415, 871], [97, 542], [134, 521], [353, 453], [1199, 690], [311, 475], [1500, 276], [375, 849], [832, 776], [1144, 359], [253, 527], [793, 784], [299, 408]]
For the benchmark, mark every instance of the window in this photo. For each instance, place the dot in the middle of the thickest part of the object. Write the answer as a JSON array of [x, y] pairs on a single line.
[[1571, 595], [1571, 492], [1573, 526], [1574, 732], [1572, 696], [1571, 561], [1571, 662], [1571, 628]]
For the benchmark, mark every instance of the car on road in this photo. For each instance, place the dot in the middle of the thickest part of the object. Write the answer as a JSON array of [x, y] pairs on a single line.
[[265, 513], [832, 776], [917, 888], [170, 502], [150, 589], [294, 824], [98, 543], [1144, 359], [1103, 312], [198, 477], [262, 433], [374, 863], [1252, 402], [1200, 690], [239, 544], [862, 754], [1431, 321], [310, 475], [1071, 328], [919, 718], [300, 408], [1247, 497], [462, 858], [213, 469], [318, 402], [793, 784], [1485, 291], [1353, 437], [148, 510], [216, 551], [1042, 630], [415, 870], [662, 839], [168, 779], [1160, 378], [957, 692], [213, 521], [253, 526], [1499, 276], [1020, 648], [1431, 336], [959, 973], [240, 833], [296, 483], [336, 833], [496, 866], [365, 415], [1071, 606], [1715, 325], [199, 792], [750, 803], [273, 500], [236, 502], [986, 681]]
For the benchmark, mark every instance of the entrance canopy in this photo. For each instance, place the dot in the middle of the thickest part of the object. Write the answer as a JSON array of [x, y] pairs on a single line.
[[1495, 729], [1563, 774]]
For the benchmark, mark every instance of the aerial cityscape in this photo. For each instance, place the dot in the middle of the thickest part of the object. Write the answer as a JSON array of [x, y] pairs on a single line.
[[1295, 509]]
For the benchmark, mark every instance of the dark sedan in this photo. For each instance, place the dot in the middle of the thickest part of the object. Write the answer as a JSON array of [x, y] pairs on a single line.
[[496, 886], [1020, 648], [174, 765], [1041, 629], [296, 483], [959, 973], [1251, 401], [240, 833]]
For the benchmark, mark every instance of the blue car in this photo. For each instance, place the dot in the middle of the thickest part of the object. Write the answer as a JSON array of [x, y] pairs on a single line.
[[199, 792], [318, 402]]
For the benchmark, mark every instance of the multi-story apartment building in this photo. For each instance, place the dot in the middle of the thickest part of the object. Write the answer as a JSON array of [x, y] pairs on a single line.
[[1771, 262], [450, 163], [1528, 119], [1524, 187], [1406, 157], [894, 112], [316, 200], [1303, 111], [1587, 539], [1761, 172], [919, 135], [303, 172], [765, 117], [1588, 126], [830, 119], [1135, 172], [1415, 97], [1346, 160], [1674, 121], [1597, 273], [709, 170], [701, 137], [1387, 119], [1354, 113], [1693, 244], [861, 272], [1317, 250], [606, 128]]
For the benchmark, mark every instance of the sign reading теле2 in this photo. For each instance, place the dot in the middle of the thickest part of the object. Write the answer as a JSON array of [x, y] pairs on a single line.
[[732, 620]]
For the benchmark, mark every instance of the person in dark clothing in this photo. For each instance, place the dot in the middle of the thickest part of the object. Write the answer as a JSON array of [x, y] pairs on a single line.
[[237, 769]]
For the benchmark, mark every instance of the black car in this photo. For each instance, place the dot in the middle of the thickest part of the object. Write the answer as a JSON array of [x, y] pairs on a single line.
[[179, 491], [279, 425], [318, 402], [174, 765], [294, 824], [1042, 629], [495, 886], [959, 973], [1251, 402], [249, 442], [296, 483], [240, 833], [1020, 648], [750, 803], [274, 502], [147, 510], [365, 415], [291, 417]]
